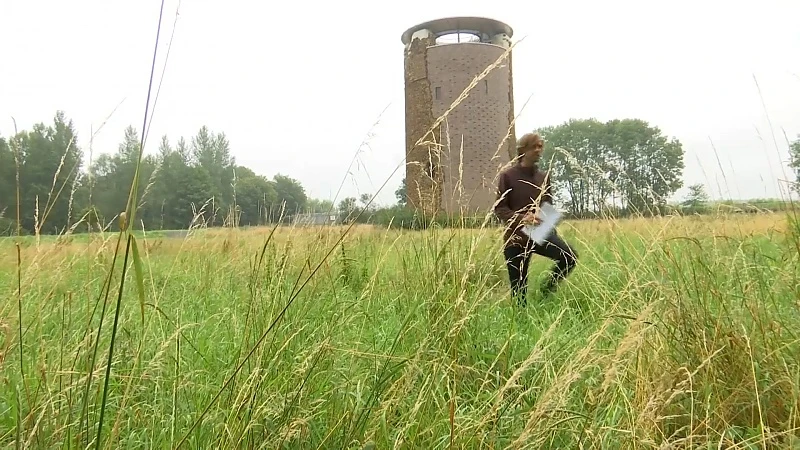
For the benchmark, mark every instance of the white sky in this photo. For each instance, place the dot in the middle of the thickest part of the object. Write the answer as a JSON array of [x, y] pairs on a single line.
[[296, 86]]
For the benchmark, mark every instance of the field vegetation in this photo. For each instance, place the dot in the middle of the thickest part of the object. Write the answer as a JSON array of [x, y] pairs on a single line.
[[676, 331]]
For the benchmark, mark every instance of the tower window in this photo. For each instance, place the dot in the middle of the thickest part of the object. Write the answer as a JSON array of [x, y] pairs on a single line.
[[437, 92], [486, 86]]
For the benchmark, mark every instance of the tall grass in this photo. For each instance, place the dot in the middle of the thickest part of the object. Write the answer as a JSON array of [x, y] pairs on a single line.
[[674, 330]]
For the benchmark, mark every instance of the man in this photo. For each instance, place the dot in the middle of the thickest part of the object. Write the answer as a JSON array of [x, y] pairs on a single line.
[[521, 189]]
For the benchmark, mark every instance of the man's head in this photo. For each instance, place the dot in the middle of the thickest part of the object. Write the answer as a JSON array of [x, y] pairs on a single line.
[[529, 148]]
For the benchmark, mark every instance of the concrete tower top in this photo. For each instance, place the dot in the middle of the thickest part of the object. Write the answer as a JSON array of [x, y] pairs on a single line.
[[484, 28]]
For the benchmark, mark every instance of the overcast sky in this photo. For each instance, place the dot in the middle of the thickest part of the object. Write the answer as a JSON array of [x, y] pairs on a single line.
[[297, 86]]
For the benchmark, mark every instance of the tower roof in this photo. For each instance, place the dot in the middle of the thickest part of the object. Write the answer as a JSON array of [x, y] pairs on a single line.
[[449, 25]]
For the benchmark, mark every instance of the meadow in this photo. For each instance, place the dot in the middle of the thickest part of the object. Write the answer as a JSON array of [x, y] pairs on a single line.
[[673, 332]]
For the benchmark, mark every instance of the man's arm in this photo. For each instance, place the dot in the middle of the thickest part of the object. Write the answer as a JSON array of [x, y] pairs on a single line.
[[502, 208]]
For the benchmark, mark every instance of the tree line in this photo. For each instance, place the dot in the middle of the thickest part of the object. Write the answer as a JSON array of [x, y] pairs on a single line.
[[618, 167], [183, 183]]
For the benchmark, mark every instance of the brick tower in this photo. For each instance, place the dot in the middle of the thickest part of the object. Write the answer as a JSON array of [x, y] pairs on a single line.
[[454, 167]]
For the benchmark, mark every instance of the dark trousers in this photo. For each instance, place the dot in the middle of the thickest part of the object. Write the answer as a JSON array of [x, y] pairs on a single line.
[[518, 258]]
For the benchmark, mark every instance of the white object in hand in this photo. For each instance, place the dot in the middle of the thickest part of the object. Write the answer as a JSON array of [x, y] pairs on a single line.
[[549, 217]]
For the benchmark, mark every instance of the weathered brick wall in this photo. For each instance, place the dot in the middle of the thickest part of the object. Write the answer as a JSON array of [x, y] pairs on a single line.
[[510, 143], [423, 176], [478, 135]]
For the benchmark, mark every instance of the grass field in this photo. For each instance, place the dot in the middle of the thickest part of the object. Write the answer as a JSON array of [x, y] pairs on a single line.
[[680, 331]]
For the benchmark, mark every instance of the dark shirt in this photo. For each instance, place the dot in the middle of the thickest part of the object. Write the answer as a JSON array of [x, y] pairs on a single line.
[[520, 190]]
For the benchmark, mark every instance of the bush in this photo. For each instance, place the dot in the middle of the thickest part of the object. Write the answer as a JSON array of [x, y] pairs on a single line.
[[407, 218], [7, 227]]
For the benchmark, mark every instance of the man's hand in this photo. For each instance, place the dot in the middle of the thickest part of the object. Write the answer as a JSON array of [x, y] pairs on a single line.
[[531, 218]]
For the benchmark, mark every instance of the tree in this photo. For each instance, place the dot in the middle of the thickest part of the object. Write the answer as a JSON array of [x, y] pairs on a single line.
[[8, 199], [651, 166], [314, 205], [348, 209], [580, 160], [291, 195], [624, 164], [254, 196], [112, 178], [7, 181], [179, 189], [401, 193], [794, 162], [696, 199], [50, 169], [211, 153]]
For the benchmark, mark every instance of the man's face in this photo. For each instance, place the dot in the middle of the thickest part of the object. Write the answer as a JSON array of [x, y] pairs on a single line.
[[533, 153]]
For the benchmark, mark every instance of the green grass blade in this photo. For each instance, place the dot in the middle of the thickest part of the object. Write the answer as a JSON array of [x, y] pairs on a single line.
[[138, 273], [111, 345]]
